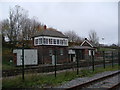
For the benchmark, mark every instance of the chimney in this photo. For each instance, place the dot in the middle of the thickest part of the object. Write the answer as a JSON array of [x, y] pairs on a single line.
[[45, 27]]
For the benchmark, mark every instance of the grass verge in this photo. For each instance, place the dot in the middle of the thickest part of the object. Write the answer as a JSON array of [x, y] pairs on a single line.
[[47, 81]]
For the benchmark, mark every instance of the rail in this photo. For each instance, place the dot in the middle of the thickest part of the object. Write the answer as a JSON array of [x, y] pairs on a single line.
[[78, 87]]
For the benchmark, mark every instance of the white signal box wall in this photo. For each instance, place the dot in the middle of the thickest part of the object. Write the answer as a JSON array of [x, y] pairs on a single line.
[[30, 56]]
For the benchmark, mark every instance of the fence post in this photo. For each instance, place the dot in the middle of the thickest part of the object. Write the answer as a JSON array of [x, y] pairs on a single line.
[[23, 62], [112, 58], [77, 61], [55, 61], [104, 59], [119, 56], [93, 67]]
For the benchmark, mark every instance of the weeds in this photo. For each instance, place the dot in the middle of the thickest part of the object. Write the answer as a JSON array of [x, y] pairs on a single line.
[[41, 81]]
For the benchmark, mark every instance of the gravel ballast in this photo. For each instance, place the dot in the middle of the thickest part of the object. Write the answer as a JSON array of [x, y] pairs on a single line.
[[78, 81]]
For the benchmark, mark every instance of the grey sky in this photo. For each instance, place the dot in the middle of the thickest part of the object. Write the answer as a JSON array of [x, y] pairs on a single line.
[[78, 16]]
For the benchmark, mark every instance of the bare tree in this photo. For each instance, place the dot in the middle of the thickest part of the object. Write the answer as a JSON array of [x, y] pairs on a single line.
[[36, 26], [72, 36], [93, 37], [30, 27], [5, 29], [13, 26], [18, 26]]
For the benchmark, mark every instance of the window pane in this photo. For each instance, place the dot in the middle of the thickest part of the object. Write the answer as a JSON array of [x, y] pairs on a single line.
[[61, 42], [36, 41], [40, 40], [58, 41], [54, 40], [43, 40], [65, 42], [46, 41], [50, 41]]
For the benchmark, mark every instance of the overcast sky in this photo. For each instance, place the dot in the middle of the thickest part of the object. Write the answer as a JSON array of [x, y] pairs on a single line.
[[78, 16]]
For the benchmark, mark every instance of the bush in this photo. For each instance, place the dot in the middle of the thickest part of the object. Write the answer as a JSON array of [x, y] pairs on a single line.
[[7, 56]]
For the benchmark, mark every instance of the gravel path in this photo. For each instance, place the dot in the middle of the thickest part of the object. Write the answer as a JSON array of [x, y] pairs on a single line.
[[78, 81]]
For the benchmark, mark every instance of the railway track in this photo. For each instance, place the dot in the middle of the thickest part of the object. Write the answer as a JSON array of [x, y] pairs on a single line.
[[109, 82], [115, 87]]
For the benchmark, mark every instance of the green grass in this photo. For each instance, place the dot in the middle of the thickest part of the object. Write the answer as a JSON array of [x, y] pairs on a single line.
[[38, 80], [7, 65], [41, 81], [89, 73], [106, 49]]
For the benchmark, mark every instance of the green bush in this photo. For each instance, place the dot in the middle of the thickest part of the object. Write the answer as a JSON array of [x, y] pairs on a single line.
[[7, 56]]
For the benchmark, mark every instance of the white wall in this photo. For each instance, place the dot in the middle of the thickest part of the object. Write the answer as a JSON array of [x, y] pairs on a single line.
[[30, 56]]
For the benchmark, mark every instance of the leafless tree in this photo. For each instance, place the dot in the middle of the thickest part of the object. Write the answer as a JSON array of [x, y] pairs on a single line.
[[72, 36], [93, 37], [30, 27], [5, 29], [12, 27], [18, 26], [36, 26]]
